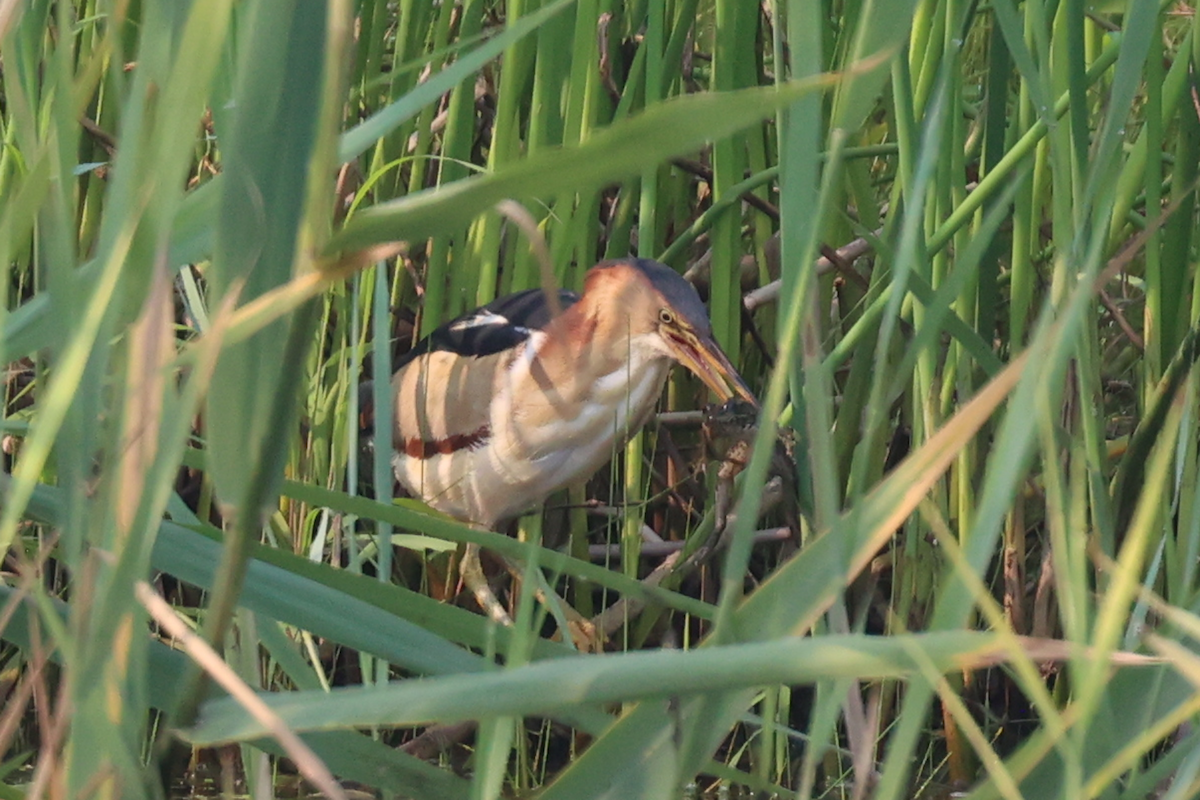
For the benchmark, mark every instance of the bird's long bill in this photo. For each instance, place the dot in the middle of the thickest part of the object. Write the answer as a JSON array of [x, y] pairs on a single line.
[[704, 357]]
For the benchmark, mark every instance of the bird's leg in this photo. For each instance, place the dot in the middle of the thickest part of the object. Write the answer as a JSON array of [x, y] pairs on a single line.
[[735, 461], [476, 581], [580, 628], [729, 430]]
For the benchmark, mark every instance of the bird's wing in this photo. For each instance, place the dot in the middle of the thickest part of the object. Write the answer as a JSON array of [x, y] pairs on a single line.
[[490, 329], [494, 328]]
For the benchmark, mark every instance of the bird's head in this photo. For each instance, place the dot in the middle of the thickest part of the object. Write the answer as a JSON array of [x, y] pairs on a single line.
[[664, 312]]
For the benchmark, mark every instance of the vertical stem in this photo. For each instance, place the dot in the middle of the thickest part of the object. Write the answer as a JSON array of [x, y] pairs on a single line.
[[734, 29], [647, 246], [381, 360]]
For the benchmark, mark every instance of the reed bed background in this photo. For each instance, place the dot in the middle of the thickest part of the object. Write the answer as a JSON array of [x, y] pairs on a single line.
[[951, 244]]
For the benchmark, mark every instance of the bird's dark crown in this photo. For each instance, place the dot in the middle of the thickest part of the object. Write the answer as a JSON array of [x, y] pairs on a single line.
[[674, 289]]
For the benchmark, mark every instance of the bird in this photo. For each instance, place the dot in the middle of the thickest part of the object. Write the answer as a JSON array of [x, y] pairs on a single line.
[[499, 408]]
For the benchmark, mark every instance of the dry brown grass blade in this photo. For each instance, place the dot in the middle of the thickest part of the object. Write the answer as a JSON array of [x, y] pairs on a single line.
[[520, 216], [1048, 651], [151, 350]]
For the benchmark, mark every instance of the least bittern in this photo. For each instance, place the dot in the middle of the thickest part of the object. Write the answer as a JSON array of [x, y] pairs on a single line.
[[501, 407]]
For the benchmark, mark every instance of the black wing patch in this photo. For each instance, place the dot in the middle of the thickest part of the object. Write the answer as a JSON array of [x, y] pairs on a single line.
[[501, 324]]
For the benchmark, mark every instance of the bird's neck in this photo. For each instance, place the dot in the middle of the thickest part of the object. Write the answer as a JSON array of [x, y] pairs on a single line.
[[605, 361]]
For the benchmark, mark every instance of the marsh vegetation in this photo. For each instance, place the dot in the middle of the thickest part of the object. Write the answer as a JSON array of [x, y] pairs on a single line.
[[951, 245]]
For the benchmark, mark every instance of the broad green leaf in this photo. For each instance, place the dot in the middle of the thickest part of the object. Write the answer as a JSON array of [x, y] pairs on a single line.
[[266, 171], [883, 27], [627, 148], [543, 688]]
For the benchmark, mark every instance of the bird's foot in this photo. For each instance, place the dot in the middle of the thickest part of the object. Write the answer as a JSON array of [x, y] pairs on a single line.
[[586, 637], [476, 581]]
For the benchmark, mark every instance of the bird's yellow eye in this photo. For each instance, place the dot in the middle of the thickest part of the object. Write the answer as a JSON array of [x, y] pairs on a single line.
[[666, 316]]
